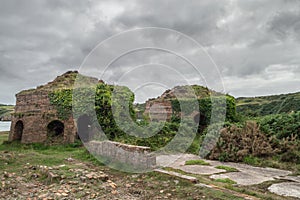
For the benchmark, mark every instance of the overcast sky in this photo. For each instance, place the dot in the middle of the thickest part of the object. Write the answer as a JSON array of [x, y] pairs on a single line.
[[254, 43]]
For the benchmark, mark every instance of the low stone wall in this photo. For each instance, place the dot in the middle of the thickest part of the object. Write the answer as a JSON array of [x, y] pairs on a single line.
[[137, 156]]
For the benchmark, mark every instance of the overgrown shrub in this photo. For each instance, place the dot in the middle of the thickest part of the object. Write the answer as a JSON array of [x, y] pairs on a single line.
[[224, 108], [281, 125], [235, 143]]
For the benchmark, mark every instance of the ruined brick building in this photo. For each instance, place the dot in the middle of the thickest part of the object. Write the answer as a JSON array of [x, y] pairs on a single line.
[[36, 120], [160, 108]]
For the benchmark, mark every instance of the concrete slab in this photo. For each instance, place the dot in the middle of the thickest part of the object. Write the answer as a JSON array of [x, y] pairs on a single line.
[[178, 162], [199, 169], [265, 171], [291, 189], [247, 175], [242, 178], [291, 178], [169, 160]]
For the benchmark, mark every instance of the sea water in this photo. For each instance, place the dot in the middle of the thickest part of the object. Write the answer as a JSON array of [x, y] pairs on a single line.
[[5, 125]]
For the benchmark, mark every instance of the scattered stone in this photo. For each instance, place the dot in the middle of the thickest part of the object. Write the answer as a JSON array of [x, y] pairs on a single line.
[[73, 182], [42, 196], [113, 185], [64, 194], [34, 176], [203, 185], [70, 159], [51, 177], [114, 192]]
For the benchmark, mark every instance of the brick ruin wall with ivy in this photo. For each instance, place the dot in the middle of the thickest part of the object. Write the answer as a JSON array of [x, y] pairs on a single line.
[[33, 113]]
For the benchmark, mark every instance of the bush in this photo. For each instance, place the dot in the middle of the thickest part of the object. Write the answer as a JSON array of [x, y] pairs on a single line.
[[291, 156], [281, 125], [235, 143]]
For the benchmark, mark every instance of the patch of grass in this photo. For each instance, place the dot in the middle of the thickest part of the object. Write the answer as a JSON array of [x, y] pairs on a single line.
[[227, 168], [196, 162], [225, 180], [195, 146], [251, 160], [3, 136]]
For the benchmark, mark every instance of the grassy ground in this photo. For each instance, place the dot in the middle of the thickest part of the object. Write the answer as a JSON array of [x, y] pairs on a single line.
[[22, 162]]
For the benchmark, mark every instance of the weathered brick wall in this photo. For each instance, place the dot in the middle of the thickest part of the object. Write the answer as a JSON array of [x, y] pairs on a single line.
[[158, 110], [34, 110], [35, 101], [137, 156]]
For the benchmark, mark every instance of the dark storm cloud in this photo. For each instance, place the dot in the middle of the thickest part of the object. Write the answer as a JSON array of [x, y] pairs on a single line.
[[251, 41]]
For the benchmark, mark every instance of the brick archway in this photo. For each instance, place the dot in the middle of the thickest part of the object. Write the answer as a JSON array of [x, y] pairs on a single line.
[[18, 131], [55, 129]]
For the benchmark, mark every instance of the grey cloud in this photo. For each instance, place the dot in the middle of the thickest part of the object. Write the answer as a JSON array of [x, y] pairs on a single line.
[[41, 39], [286, 25]]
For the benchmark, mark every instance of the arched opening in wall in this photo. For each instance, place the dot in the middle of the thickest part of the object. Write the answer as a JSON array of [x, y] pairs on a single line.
[[202, 122], [55, 131], [200, 118], [84, 125], [18, 132]]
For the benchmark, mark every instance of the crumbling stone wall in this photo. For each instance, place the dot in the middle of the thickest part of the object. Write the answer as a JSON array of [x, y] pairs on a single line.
[[35, 119], [158, 110], [34, 111], [137, 156]]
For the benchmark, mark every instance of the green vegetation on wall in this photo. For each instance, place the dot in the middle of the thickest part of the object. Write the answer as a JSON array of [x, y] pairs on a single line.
[[62, 100], [103, 104], [205, 108]]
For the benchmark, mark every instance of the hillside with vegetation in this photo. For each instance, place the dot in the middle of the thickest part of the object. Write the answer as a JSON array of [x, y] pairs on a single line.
[[266, 105], [267, 132], [5, 111]]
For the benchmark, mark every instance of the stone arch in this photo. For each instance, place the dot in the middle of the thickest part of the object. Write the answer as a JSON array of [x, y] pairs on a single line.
[[55, 129], [84, 125], [18, 131], [200, 118]]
